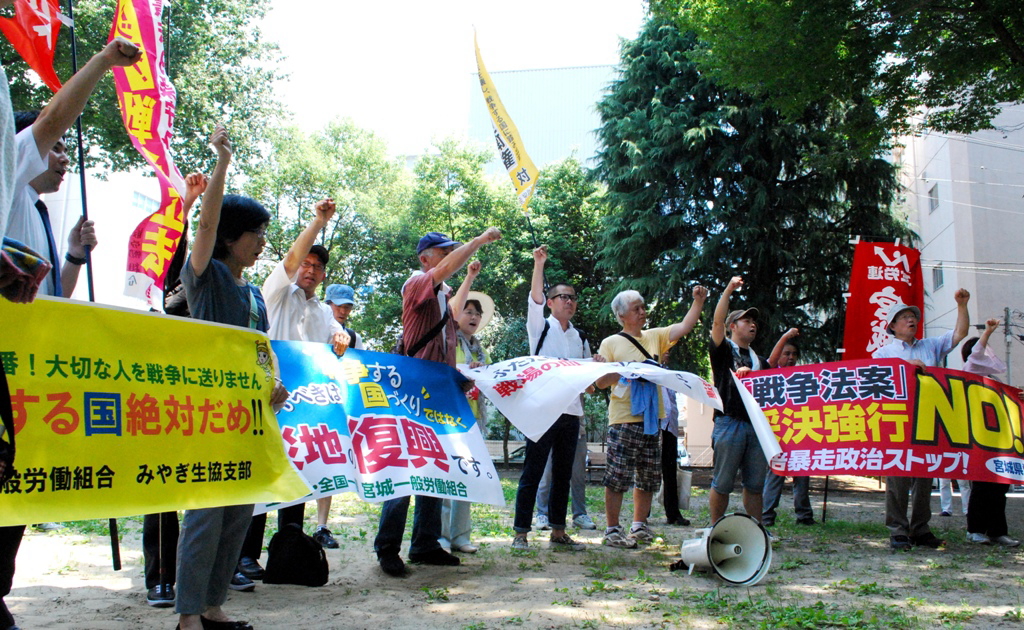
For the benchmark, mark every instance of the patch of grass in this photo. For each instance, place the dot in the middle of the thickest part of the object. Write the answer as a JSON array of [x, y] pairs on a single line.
[[795, 563], [1014, 614], [643, 578], [957, 616], [439, 594], [598, 586], [993, 560], [573, 603], [602, 571], [475, 626]]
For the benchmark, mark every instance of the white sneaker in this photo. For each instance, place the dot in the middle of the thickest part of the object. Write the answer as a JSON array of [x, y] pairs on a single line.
[[641, 533], [541, 522], [976, 537], [615, 537], [519, 543], [583, 521]]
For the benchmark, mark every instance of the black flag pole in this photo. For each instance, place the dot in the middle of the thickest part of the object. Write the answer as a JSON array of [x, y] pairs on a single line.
[[115, 549], [81, 153]]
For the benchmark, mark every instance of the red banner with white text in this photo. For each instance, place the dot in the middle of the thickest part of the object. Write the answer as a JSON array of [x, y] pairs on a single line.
[[883, 274], [147, 101], [33, 33], [884, 417]]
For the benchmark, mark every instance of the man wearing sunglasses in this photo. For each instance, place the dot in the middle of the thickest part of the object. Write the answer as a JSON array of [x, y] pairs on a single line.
[[552, 337]]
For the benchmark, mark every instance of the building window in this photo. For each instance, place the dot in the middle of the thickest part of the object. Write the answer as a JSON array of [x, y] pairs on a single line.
[[937, 279], [933, 198], [144, 203]]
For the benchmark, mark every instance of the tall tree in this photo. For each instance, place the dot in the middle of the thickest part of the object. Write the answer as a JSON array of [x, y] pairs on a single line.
[[351, 166], [959, 59], [217, 59], [705, 183]]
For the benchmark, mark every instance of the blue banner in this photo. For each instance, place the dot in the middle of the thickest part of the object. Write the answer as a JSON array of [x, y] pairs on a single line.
[[381, 425]]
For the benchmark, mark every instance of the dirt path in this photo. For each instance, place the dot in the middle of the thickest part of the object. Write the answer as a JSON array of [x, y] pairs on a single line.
[[837, 575]]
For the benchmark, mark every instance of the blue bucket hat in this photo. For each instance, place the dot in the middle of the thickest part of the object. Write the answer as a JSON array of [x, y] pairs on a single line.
[[340, 294]]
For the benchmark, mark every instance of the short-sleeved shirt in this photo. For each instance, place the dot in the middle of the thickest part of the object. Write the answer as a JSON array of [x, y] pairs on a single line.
[[423, 303], [292, 316], [723, 362], [216, 297], [562, 344], [930, 350], [617, 348], [23, 222]]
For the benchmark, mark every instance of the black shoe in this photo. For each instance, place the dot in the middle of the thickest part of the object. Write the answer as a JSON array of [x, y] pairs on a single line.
[[438, 557], [160, 596], [806, 521], [899, 543], [928, 540], [250, 568], [241, 583], [392, 565], [210, 624], [323, 536], [679, 520]]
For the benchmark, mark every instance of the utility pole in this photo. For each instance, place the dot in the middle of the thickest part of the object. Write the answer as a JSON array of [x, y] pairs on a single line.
[[1009, 338]]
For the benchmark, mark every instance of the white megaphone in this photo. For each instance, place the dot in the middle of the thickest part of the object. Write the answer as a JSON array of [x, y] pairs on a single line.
[[736, 548]]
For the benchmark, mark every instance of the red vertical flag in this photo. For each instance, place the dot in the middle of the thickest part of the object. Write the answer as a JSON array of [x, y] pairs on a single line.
[[33, 33], [883, 274]]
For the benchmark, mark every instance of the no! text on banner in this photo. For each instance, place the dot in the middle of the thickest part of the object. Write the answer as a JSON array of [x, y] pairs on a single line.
[[119, 413]]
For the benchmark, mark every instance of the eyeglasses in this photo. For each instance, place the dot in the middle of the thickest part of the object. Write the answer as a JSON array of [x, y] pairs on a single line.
[[259, 232], [305, 264], [569, 297], [473, 313]]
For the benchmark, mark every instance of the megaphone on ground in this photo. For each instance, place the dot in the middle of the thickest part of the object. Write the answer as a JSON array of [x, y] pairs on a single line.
[[736, 548]]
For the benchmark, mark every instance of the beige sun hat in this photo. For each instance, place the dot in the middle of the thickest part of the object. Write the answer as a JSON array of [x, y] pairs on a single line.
[[486, 307]]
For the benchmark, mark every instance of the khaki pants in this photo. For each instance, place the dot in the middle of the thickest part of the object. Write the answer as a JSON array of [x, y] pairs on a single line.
[[920, 491]]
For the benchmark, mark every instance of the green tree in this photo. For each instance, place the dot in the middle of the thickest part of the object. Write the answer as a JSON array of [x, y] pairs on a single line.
[[958, 59], [217, 59], [705, 183], [371, 191]]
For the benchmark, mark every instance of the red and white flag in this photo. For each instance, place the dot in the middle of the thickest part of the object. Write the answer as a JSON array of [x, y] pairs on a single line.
[[33, 33], [883, 274]]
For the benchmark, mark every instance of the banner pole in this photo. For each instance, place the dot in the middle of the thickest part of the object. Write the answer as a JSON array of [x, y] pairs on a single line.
[[81, 155]]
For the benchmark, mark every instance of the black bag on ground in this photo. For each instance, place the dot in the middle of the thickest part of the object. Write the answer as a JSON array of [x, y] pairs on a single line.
[[293, 557]]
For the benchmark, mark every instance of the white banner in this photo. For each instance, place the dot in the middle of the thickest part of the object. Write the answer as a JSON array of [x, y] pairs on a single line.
[[533, 391], [763, 430]]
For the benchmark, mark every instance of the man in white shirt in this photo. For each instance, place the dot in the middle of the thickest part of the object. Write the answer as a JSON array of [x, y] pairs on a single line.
[[551, 337], [295, 314], [903, 322], [42, 162]]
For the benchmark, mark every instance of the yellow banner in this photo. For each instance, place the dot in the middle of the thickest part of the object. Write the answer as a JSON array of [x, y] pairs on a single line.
[[119, 413], [510, 147]]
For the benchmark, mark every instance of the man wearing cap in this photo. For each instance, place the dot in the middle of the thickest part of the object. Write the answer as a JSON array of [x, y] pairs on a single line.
[[902, 323], [428, 332], [341, 298], [557, 448], [733, 439], [295, 314]]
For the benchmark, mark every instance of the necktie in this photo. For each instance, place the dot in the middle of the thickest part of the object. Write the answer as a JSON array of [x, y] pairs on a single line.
[[44, 214]]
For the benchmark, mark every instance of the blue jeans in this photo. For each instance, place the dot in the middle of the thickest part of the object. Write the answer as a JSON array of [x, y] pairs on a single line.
[[736, 448], [560, 441], [773, 493], [426, 526]]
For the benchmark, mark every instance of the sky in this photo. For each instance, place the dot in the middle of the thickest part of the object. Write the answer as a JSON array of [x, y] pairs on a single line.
[[402, 69]]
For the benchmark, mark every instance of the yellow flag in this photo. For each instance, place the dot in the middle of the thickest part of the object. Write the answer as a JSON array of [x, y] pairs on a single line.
[[510, 147]]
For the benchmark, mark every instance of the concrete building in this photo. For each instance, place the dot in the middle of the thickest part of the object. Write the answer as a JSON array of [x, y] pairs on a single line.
[[964, 196]]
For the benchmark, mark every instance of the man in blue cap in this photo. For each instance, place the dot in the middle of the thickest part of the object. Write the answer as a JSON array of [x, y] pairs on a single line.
[[429, 312], [341, 299]]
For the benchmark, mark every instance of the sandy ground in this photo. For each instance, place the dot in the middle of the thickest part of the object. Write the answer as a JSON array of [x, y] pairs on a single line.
[[841, 574]]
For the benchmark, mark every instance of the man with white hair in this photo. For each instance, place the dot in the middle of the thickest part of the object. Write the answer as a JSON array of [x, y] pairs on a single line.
[[634, 412], [902, 322]]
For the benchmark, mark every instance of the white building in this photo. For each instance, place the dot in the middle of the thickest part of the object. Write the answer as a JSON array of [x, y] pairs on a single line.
[[964, 198]]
